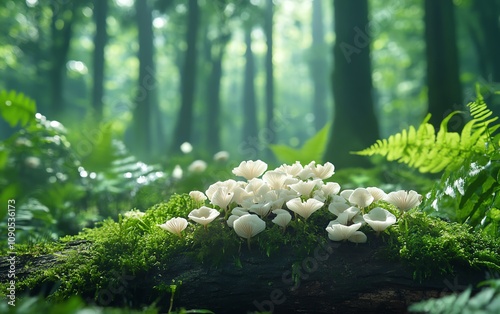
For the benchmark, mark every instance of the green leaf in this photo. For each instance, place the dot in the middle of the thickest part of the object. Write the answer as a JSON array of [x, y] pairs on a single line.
[[313, 149], [16, 108], [427, 151]]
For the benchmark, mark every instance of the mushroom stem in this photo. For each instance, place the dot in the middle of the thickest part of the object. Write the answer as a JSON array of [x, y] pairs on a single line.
[[248, 243]]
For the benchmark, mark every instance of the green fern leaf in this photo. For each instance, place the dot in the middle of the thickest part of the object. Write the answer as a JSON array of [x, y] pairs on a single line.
[[16, 108], [428, 151]]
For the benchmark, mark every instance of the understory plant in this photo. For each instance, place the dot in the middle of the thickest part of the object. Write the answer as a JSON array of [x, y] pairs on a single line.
[[469, 162]]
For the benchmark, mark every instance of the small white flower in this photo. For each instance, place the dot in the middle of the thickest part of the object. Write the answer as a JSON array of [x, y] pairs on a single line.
[[379, 219], [203, 215], [304, 209], [175, 225], [248, 226], [340, 232], [221, 156], [197, 166], [186, 147], [250, 169], [197, 196], [361, 197], [404, 200]]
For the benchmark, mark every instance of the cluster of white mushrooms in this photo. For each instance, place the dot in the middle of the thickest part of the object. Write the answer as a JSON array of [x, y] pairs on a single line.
[[292, 189]]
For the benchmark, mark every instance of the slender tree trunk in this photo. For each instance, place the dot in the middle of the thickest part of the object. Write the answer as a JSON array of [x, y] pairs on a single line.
[[318, 66], [249, 102], [354, 125], [147, 81], [100, 40], [268, 30], [61, 39], [443, 82], [184, 122], [488, 14], [213, 93]]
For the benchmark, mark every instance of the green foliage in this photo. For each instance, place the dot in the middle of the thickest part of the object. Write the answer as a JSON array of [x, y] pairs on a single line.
[[73, 305], [433, 152], [433, 246], [486, 302], [16, 108], [312, 149], [469, 194]]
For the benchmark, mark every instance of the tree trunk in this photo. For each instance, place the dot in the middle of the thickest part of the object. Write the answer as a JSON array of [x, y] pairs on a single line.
[[354, 125], [318, 66], [63, 16], [488, 14], [270, 134], [100, 40], [443, 81], [213, 93], [334, 278], [145, 97], [184, 121], [249, 102]]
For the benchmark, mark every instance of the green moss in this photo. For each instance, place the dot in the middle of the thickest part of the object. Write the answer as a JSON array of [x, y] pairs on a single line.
[[134, 248], [433, 246]]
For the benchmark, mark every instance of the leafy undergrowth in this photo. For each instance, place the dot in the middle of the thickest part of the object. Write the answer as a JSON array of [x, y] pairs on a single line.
[[485, 302], [119, 256], [434, 246]]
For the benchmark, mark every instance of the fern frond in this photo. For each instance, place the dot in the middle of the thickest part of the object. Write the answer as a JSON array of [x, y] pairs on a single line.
[[16, 108], [433, 152]]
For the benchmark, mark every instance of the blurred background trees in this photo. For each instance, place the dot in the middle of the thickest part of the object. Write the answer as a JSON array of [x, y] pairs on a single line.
[[238, 75]]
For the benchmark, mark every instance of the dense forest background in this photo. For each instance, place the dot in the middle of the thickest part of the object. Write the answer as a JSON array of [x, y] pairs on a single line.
[[234, 75]]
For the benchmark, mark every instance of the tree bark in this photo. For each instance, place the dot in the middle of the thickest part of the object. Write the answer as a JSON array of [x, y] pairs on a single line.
[[318, 66], [355, 125], [100, 40], [443, 81], [249, 102], [215, 55], [333, 278], [183, 128], [144, 100], [269, 92], [63, 16]]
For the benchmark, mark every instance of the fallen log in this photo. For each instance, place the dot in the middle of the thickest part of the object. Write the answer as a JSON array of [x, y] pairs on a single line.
[[333, 278]]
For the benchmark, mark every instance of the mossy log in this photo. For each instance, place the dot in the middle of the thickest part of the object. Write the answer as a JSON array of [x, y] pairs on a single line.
[[333, 278]]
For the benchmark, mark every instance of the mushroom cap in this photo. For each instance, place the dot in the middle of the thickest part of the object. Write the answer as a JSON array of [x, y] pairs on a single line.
[[203, 215], [175, 225], [379, 219], [248, 226], [340, 232], [250, 169], [361, 197], [304, 209]]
